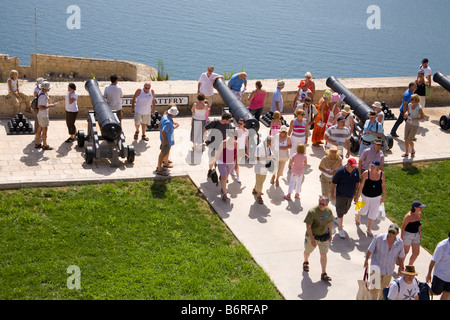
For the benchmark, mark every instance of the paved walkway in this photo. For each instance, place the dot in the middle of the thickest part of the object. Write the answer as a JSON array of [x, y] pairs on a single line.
[[273, 232]]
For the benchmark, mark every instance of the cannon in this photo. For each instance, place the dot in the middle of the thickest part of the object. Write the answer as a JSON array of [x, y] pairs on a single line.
[[444, 81], [111, 132], [236, 107], [361, 111]]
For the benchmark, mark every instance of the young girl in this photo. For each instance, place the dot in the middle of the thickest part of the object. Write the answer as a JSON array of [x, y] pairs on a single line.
[[71, 111], [275, 124], [17, 97], [298, 162], [200, 112]]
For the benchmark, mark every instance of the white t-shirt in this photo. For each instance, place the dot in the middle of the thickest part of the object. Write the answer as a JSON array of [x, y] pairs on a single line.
[[242, 134], [113, 95], [206, 86], [43, 101], [427, 71], [261, 152], [72, 107], [406, 292], [441, 257], [14, 84]]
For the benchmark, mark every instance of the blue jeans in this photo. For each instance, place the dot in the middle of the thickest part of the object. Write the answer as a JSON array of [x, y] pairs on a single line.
[[397, 123]]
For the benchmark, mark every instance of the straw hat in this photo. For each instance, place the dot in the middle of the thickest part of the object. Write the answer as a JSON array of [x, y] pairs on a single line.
[[410, 270], [332, 148]]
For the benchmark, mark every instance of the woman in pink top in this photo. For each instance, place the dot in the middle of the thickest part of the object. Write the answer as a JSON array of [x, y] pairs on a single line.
[[257, 99], [297, 162]]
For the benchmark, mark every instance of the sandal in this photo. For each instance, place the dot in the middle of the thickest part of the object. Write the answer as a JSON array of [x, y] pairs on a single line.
[[357, 222], [413, 154], [405, 155], [272, 181], [47, 147], [167, 166], [277, 184], [260, 200], [162, 173], [287, 197], [325, 277], [144, 137], [37, 146], [306, 266], [136, 135]]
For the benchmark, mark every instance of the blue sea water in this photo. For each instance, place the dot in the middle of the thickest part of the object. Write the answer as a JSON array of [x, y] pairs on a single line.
[[269, 39]]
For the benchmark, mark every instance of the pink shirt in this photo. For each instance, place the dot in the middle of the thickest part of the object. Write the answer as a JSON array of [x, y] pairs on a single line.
[[298, 164], [258, 101]]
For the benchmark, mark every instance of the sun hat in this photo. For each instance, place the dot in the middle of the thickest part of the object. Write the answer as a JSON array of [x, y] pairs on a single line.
[[332, 148], [410, 270], [335, 97], [39, 81], [377, 141], [173, 111], [347, 108], [284, 129], [280, 84], [45, 85], [376, 104]]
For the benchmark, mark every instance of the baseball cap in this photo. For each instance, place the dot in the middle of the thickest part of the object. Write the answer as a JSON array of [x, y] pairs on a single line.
[[352, 162], [417, 204]]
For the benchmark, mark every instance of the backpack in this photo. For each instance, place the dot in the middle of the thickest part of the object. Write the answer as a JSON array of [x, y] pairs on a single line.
[[424, 290], [34, 108]]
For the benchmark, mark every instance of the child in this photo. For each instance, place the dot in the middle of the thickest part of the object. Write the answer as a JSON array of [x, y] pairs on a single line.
[[17, 97], [298, 162], [275, 124]]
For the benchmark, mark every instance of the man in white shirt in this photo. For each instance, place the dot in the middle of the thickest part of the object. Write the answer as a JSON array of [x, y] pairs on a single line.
[[205, 83], [441, 264], [426, 70], [113, 95]]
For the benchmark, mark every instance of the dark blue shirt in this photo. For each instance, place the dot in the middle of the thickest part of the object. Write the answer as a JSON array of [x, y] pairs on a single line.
[[345, 182]]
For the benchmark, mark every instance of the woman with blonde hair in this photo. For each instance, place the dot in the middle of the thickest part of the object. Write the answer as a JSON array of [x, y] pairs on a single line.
[[298, 130], [298, 162], [413, 115], [17, 97]]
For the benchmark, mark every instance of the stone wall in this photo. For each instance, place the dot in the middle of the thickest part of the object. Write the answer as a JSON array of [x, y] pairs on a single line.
[[56, 67]]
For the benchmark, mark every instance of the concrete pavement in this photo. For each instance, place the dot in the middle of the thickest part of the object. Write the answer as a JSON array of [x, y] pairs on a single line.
[[273, 232]]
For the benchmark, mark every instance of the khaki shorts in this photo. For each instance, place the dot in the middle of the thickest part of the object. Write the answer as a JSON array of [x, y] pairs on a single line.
[[165, 148], [323, 246], [410, 132], [142, 119], [43, 121], [260, 178]]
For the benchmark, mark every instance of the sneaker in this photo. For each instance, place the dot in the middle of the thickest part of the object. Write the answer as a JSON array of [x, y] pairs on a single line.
[[238, 180], [394, 135], [233, 173], [342, 233], [224, 197]]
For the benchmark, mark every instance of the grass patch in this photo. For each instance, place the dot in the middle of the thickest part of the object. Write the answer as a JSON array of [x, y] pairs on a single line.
[[427, 182], [137, 240]]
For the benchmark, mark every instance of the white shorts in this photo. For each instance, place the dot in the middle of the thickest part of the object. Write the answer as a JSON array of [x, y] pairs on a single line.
[[371, 206], [410, 238], [142, 119], [43, 121]]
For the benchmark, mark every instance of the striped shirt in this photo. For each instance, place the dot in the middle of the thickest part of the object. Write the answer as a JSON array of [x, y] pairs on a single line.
[[338, 135], [298, 129]]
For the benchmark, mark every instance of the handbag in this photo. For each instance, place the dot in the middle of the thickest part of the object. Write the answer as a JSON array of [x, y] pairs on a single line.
[[427, 91], [381, 212], [363, 290]]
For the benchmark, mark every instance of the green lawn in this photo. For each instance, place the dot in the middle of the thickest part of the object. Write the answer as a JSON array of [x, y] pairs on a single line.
[[429, 183], [137, 240]]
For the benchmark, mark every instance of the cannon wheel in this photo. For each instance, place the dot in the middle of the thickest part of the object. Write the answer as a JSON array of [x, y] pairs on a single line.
[[354, 144], [131, 154], [80, 138], [444, 122], [89, 154]]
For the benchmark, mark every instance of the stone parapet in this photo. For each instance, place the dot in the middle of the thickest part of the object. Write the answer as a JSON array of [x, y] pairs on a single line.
[[389, 90]]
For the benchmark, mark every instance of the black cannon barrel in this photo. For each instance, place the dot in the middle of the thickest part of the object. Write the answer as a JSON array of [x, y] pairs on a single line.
[[109, 126], [359, 107], [442, 80], [237, 108]]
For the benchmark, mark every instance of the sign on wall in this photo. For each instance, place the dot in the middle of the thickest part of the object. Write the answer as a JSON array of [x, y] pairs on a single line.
[[160, 100]]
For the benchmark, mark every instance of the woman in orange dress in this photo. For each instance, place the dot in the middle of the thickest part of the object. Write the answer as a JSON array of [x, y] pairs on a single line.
[[321, 119]]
